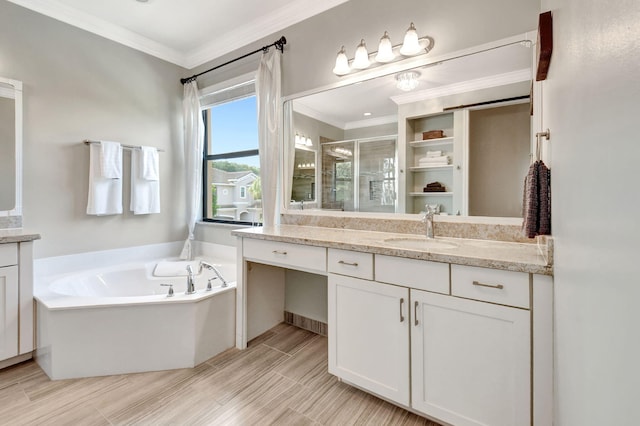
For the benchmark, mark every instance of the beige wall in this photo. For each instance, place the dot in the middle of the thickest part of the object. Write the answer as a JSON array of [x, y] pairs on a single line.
[[76, 86], [499, 146]]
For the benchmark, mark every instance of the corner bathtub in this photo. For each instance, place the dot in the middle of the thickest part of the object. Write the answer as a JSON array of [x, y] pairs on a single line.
[[118, 319]]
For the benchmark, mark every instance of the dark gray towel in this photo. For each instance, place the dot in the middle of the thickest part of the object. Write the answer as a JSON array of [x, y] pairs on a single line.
[[536, 205]]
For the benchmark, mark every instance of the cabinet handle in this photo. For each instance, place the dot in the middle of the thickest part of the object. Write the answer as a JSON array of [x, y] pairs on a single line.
[[342, 262], [498, 286], [415, 313], [284, 253], [401, 303]]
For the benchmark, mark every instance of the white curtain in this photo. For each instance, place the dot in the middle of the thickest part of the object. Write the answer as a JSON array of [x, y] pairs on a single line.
[[193, 149], [289, 153], [268, 90]]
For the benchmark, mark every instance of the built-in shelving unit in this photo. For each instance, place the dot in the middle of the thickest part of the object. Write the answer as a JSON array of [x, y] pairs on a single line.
[[420, 174]]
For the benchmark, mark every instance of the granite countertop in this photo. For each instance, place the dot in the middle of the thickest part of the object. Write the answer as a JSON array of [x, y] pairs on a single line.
[[511, 256], [17, 235]]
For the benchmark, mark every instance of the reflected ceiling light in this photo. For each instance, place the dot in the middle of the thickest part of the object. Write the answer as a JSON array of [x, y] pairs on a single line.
[[386, 53], [385, 50], [342, 63], [361, 59], [407, 80], [411, 44]]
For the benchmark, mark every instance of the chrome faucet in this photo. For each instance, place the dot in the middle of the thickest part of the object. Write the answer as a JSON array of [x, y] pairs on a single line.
[[191, 288], [428, 221], [215, 271]]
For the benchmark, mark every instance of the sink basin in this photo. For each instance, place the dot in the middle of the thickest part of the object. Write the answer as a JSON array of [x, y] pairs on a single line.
[[419, 243]]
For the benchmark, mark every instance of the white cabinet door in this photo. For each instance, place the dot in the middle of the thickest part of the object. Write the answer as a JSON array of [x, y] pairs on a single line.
[[470, 361], [8, 312], [369, 336]]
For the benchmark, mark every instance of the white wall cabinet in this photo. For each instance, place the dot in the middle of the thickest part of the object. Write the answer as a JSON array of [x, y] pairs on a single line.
[[369, 335], [470, 361]]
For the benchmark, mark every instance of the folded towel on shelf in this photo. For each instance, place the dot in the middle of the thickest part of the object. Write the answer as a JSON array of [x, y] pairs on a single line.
[[434, 153], [145, 194], [110, 160], [105, 194], [434, 187], [536, 204], [149, 163], [442, 160], [169, 268]]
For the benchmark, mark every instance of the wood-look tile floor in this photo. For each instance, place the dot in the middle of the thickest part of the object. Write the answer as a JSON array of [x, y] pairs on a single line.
[[280, 379]]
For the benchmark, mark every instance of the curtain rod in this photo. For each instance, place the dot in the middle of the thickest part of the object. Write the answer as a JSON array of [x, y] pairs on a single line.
[[124, 146], [279, 44]]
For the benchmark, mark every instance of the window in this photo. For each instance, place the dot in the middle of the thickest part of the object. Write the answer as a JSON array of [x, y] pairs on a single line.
[[231, 162]]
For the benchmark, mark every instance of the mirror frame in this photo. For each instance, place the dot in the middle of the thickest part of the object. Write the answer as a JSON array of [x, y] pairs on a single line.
[[287, 142], [16, 94]]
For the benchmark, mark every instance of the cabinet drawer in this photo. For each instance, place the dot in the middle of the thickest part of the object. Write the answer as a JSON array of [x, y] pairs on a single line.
[[295, 256], [414, 273], [491, 285], [352, 263], [8, 254]]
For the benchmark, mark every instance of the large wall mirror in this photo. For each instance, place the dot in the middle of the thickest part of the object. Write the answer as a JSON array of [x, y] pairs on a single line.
[[456, 134], [10, 146]]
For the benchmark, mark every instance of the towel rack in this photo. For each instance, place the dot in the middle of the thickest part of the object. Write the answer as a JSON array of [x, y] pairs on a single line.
[[124, 146]]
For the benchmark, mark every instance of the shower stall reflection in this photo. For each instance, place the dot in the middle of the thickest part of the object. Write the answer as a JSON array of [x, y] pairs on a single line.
[[360, 175]]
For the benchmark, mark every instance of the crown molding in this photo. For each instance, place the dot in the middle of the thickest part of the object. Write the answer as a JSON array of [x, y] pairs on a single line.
[[259, 28], [320, 116], [465, 86], [370, 122], [277, 20], [92, 24]]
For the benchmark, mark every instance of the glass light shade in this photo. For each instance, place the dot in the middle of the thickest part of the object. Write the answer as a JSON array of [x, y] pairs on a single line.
[[342, 63], [308, 142], [361, 59], [411, 45], [385, 50], [408, 80]]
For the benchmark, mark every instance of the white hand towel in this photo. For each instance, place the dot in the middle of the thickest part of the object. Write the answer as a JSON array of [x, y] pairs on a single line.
[[105, 194], [111, 160], [145, 194], [434, 153], [150, 163]]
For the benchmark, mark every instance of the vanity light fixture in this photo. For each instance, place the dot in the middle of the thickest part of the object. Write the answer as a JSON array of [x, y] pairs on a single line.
[[361, 59], [407, 80], [386, 53], [303, 140]]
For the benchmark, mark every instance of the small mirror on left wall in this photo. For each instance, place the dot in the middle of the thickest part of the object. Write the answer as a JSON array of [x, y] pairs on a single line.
[[10, 145], [303, 189]]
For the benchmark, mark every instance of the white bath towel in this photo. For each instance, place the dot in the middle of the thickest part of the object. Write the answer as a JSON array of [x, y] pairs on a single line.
[[434, 161], [145, 194], [149, 163], [174, 268], [110, 160], [434, 154], [105, 194]]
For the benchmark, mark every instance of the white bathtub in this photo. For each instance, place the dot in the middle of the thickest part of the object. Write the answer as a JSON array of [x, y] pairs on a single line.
[[118, 319]]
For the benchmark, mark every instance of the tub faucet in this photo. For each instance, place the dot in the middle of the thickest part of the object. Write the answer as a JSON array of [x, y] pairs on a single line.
[[191, 288], [215, 271], [428, 221]]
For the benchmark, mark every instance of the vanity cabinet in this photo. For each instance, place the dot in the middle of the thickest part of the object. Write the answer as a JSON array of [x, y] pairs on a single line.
[[369, 336], [9, 302], [428, 345], [16, 303], [470, 361]]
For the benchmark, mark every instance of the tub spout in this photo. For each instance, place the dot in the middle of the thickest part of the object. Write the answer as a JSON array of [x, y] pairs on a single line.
[[215, 271], [191, 288]]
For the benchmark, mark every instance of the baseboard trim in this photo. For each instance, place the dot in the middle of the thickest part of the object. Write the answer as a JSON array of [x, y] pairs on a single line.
[[305, 323]]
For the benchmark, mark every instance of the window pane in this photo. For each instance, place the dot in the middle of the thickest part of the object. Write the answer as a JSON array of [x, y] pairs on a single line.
[[233, 190], [233, 126]]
